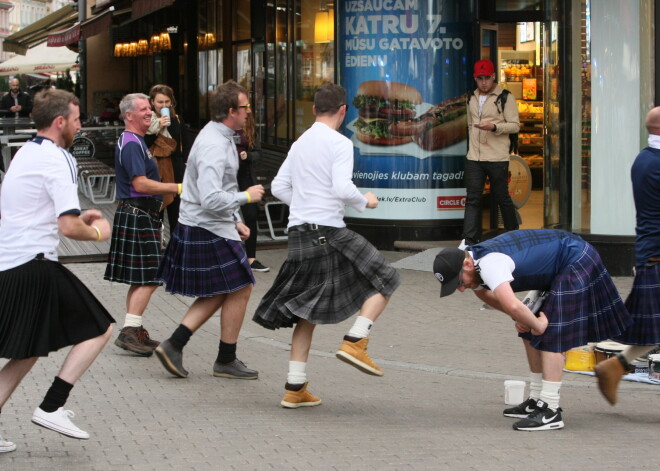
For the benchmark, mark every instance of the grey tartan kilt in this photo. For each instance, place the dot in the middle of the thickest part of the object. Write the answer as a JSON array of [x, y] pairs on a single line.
[[134, 248], [325, 283]]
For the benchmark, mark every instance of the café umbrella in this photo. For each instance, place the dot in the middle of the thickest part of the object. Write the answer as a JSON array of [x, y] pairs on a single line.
[[41, 59]]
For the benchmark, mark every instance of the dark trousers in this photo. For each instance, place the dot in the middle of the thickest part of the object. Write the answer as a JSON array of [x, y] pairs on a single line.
[[250, 212], [475, 178]]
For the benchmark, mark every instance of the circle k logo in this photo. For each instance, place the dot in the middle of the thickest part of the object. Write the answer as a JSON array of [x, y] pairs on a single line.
[[451, 203]]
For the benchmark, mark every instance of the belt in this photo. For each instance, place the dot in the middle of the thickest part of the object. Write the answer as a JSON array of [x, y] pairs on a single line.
[[322, 240], [146, 204], [309, 227]]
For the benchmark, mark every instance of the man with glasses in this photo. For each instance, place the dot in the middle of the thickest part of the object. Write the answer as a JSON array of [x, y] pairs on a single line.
[[489, 126], [330, 272], [582, 304], [205, 258]]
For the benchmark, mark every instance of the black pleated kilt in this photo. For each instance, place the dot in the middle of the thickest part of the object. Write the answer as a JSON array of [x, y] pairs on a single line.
[[135, 246], [44, 307], [643, 303], [325, 283], [199, 263]]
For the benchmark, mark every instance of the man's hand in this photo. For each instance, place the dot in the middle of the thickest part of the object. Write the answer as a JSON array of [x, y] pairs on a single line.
[[256, 193], [522, 328], [372, 200], [243, 230], [91, 215], [544, 324]]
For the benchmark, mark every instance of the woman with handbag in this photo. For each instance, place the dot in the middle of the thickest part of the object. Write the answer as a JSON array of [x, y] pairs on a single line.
[[165, 141]]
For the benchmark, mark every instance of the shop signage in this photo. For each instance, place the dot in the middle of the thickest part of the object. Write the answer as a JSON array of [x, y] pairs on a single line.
[[82, 147], [406, 66]]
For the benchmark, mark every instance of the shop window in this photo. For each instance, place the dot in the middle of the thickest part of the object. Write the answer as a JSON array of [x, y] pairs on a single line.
[[299, 57], [209, 37]]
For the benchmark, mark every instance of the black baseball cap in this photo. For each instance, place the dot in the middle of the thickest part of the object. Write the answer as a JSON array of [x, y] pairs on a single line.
[[447, 267]]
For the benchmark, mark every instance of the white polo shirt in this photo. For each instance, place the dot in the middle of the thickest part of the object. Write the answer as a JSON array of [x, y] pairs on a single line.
[[40, 185]]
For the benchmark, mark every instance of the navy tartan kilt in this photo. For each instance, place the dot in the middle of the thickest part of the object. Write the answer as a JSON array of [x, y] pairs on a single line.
[[135, 247], [583, 306], [45, 307], [325, 284], [198, 263], [643, 303]]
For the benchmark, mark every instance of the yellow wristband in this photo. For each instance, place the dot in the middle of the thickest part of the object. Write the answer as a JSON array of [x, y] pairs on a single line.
[[98, 233], [179, 189], [249, 197]]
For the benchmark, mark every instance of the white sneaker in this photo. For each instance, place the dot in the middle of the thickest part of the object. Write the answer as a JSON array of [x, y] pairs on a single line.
[[5, 446], [59, 421]]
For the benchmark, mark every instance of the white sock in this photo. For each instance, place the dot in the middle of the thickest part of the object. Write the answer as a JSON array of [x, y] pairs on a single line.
[[633, 351], [297, 374], [550, 394], [535, 385], [361, 327], [132, 320]]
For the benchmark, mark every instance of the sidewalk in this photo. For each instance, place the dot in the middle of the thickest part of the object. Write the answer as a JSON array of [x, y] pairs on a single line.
[[438, 407]]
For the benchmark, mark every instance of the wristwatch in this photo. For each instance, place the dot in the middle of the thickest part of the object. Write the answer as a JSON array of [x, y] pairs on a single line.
[[494, 127]]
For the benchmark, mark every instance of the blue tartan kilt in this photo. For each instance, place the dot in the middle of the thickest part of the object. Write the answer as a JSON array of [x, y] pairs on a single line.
[[135, 246], [201, 264], [643, 303], [583, 306], [325, 283]]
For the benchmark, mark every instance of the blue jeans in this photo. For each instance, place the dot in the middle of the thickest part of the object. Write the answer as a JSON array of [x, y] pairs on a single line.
[[475, 178]]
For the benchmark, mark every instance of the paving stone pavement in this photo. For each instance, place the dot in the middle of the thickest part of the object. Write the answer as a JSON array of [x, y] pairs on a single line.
[[438, 407]]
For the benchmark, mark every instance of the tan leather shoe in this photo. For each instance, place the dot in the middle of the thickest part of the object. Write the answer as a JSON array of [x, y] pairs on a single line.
[[609, 373]]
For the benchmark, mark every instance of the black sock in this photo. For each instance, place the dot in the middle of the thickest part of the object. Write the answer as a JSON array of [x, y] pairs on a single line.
[[180, 337], [351, 339], [226, 352], [56, 396], [293, 387]]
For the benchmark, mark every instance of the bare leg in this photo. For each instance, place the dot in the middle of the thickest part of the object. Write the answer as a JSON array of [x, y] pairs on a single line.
[[11, 376], [553, 366], [374, 306], [138, 298], [301, 341], [202, 310], [233, 312], [534, 358], [82, 356]]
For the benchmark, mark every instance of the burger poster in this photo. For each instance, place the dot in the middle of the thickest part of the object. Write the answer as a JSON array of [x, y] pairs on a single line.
[[406, 66]]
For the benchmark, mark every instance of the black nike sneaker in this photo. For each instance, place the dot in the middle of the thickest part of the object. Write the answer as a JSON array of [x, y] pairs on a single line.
[[542, 419], [522, 410]]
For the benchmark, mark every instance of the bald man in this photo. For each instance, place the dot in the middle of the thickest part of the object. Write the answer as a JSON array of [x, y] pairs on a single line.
[[16, 101], [643, 302]]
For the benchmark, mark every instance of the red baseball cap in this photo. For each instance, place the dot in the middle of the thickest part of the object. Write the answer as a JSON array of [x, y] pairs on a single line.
[[484, 67]]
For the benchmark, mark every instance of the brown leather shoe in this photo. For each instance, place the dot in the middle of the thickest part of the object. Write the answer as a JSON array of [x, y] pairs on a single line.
[[609, 373]]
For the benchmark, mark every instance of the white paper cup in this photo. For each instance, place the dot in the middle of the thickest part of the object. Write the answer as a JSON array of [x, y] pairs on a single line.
[[514, 392]]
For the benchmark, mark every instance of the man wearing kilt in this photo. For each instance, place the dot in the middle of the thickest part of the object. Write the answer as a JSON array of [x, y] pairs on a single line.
[[135, 246], [205, 257], [330, 272], [582, 304], [643, 302], [43, 306]]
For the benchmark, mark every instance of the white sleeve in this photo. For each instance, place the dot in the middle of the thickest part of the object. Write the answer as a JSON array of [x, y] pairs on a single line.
[[496, 268], [62, 187]]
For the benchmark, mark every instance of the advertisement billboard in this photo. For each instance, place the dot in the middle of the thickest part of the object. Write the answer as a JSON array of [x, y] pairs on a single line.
[[407, 66]]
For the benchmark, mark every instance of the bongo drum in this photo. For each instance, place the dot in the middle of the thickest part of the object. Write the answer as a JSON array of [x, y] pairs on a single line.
[[607, 349]]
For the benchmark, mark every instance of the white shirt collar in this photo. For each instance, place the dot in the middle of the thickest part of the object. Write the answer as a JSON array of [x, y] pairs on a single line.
[[654, 141]]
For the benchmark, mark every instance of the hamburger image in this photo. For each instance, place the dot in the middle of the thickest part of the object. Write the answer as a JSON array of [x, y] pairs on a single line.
[[381, 104]]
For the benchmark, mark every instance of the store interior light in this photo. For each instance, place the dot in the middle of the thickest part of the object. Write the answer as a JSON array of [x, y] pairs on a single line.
[[324, 24]]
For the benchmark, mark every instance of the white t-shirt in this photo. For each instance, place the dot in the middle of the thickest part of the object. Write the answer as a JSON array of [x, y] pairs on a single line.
[[315, 180], [40, 185], [495, 269]]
